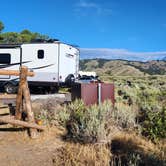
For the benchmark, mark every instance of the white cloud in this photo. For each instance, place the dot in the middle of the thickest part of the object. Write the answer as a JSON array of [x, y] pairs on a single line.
[[107, 53], [84, 5]]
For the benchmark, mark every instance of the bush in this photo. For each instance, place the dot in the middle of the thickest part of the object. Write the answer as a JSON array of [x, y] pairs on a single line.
[[87, 124], [53, 117], [154, 125], [51, 112], [63, 116], [125, 116], [95, 123], [44, 116]]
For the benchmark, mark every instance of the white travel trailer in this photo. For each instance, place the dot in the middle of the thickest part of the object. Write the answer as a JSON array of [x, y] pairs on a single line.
[[54, 63]]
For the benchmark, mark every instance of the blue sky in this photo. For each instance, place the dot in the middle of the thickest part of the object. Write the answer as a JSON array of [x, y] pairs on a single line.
[[125, 25]]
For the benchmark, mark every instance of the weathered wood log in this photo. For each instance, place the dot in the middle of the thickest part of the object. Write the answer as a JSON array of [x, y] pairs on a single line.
[[14, 72], [23, 92], [19, 99], [28, 106], [7, 96], [11, 120]]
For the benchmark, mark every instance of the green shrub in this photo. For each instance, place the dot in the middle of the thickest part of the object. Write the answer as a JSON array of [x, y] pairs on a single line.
[[63, 116], [53, 117], [87, 124], [154, 125], [148, 97], [48, 117], [125, 116], [92, 124], [51, 112]]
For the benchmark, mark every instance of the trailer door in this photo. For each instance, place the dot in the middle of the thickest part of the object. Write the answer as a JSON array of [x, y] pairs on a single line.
[[68, 61]]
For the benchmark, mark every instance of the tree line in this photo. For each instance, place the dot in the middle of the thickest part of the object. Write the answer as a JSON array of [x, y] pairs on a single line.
[[25, 36]]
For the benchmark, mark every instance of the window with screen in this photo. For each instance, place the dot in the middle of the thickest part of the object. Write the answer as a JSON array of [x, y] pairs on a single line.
[[40, 54], [5, 58]]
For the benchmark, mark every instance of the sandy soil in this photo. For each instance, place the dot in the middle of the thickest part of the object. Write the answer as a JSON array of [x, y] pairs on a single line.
[[17, 149]]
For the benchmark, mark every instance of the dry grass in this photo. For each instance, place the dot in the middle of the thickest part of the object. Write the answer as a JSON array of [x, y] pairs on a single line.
[[129, 145], [81, 155], [130, 142], [125, 148]]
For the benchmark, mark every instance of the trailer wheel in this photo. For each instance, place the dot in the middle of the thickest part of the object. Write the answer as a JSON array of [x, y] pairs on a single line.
[[70, 79], [10, 88], [54, 89]]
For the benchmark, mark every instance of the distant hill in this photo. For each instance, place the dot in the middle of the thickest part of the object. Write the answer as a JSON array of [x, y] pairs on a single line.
[[124, 54], [164, 59], [123, 67]]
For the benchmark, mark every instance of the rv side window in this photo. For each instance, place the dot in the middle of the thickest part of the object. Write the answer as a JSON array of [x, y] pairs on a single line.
[[5, 58], [40, 54]]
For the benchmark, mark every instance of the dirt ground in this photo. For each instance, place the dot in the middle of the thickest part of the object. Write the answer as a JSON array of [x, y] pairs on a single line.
[[17, 149]]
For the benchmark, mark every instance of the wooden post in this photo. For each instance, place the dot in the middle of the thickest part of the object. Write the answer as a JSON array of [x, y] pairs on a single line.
[[28, 105], [23, 91], [23, 79]]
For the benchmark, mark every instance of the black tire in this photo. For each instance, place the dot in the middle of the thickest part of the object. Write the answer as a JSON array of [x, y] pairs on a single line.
[[10, 88], [70, 79], [54, 89]]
